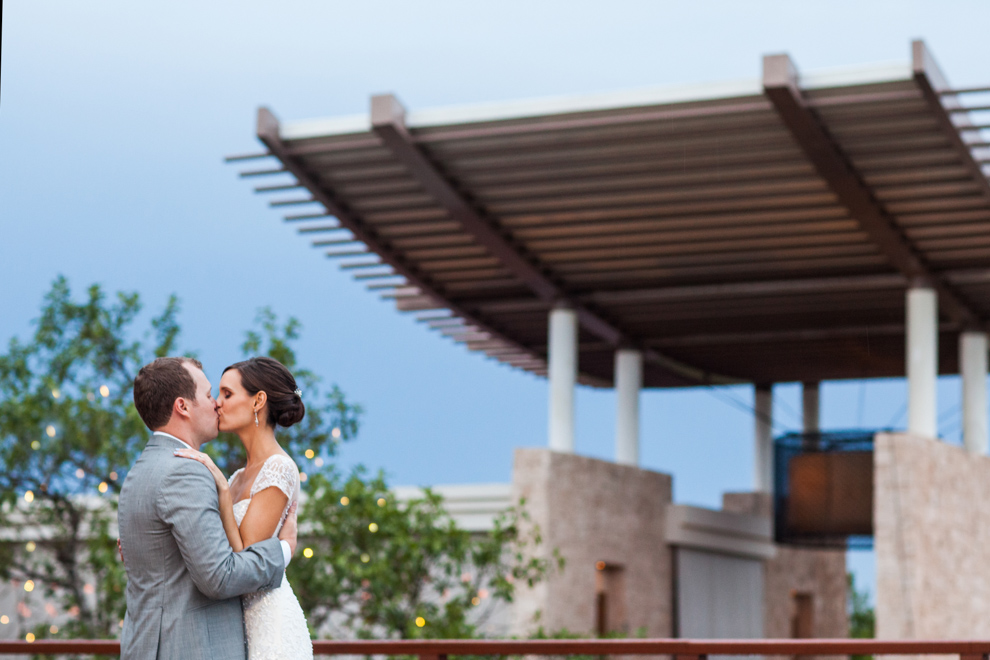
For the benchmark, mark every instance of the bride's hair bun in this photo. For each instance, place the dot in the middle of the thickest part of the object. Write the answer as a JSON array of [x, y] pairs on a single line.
[[264, 374]]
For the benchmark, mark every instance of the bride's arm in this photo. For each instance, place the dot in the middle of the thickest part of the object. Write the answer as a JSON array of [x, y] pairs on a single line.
[[226, 499], [263, 515]]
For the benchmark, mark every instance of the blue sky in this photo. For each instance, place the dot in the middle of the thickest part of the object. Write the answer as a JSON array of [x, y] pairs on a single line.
[[115, 117]]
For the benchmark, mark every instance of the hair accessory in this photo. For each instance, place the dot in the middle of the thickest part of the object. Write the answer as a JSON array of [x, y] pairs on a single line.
[[298, 392]]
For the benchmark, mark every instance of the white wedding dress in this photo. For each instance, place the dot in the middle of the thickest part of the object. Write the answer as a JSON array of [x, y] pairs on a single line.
[[273, 621]]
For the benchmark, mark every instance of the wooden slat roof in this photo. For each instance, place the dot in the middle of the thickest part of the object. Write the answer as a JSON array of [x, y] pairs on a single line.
[[760, 231]]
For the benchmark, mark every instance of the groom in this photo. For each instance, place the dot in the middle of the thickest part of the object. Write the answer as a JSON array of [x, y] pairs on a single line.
[[184, 581]]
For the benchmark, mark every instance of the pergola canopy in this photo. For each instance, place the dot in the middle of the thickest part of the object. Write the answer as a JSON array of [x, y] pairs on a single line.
[[761, 231]]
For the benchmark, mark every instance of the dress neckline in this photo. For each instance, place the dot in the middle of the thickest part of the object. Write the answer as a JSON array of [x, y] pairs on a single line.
[[230, 481]]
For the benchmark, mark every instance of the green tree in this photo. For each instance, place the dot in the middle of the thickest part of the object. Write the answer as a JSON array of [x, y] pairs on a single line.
[[68, 432], [862, 618], [380, 568]]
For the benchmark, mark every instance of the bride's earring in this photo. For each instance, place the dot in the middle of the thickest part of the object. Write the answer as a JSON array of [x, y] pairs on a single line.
[[255, 417]]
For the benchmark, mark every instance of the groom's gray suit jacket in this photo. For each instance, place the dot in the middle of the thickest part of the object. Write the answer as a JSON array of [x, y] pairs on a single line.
[[183, 578]]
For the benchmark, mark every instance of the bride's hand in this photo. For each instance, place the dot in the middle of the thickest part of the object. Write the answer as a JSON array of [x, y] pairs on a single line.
[[208, 462]]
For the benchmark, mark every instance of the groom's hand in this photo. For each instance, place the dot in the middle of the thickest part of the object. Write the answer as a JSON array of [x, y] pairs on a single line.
[[290, 528]]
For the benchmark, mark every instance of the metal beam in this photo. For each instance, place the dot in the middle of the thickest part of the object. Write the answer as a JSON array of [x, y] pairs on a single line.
[[388, 123], [932, 83], [774, 336], [780, 84], [268, 133]]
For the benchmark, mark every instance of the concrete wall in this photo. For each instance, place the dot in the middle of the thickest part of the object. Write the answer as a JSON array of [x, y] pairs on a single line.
[[932, 539], [592, 511], [821, 573]]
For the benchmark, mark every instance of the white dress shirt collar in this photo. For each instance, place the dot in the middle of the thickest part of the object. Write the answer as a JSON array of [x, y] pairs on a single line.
[[169, 435]]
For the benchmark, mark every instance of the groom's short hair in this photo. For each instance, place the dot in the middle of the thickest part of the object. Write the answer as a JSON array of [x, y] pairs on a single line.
[[159, 384]]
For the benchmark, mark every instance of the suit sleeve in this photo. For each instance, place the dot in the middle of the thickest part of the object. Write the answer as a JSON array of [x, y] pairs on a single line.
[[189, 505]]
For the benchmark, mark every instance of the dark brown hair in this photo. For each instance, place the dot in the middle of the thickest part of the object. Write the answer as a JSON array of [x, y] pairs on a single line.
[[264, 374], [159, 384]]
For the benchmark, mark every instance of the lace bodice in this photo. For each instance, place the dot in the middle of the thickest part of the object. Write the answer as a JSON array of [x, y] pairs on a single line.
[[278, 471], [274, 624]]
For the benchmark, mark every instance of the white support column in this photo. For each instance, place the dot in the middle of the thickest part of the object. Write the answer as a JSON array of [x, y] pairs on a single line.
[[922, 360], [763, 432], [562, 374], [628, 382], [811, 407], [973, 368]]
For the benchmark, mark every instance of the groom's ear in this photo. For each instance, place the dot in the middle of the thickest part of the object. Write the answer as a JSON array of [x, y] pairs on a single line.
[[180, 408]]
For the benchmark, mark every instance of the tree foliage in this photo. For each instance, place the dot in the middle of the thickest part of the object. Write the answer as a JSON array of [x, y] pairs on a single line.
[[69, 431], [381, 568], [862, 617]]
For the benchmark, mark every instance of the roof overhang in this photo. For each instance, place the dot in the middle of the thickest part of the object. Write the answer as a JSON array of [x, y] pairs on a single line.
[[762, 230]]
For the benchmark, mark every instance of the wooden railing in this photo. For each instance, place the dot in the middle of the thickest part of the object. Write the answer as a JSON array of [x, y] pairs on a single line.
[[681, 649]]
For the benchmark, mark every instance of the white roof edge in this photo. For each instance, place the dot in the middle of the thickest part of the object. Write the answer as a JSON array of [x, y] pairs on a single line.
[[458, 491], [651, 96]]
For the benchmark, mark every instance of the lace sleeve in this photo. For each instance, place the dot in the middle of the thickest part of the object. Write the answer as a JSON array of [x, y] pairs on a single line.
[[277, 471]]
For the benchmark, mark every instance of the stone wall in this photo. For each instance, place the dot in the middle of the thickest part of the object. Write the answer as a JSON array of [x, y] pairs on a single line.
[[591, 511], [932, 539], [819, 573]]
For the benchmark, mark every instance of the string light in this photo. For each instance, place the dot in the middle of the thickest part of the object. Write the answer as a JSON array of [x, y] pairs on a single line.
[[29, 586], [319, 462], [56, 394], [4, 619], [89, 588], [344, 501], [365, 558], [104, 391], [80, 473], [29, 637], [420, 621], [53, 630], [381, 501], [303, 477], [600, 566], [102, 487], [29, 496], [113, 476], [373, 527], [30, 546], [482, 593], [310, 453], [308, 553], [335, 432], [50, 431], [476, 601], [35, 445]]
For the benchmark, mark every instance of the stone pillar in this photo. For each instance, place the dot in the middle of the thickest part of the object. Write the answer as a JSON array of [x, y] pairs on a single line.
[[763, 439], [628, 382], [811, 407], [562, 374], [922, 360], [973, 368]]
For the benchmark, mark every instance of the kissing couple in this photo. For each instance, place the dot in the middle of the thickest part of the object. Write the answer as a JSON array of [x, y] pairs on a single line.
[[205, 556]]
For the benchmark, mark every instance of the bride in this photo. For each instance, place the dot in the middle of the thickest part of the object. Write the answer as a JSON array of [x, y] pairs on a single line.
[[253, 397]]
